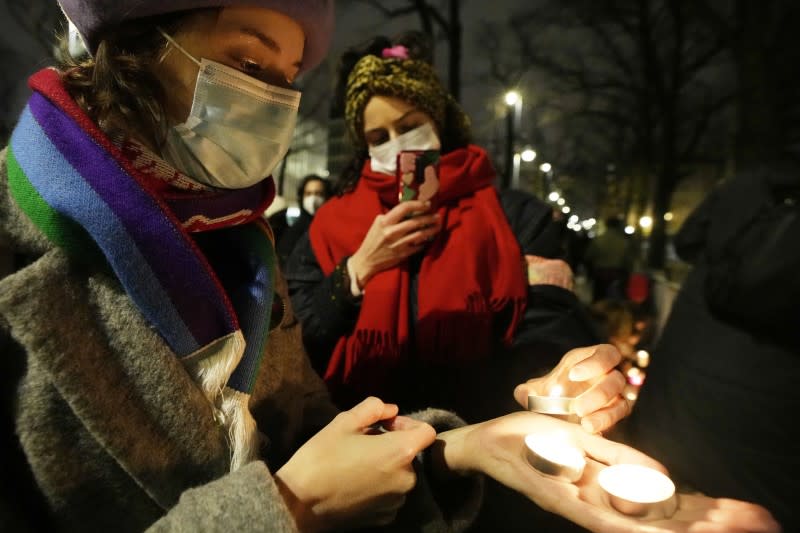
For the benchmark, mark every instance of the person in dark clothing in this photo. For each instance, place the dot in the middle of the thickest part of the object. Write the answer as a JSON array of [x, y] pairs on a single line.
[[610, 258], [312, 192], [425, 310], [721, 391]]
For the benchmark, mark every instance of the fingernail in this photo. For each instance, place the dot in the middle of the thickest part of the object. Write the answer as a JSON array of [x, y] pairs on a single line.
[[579, 373]]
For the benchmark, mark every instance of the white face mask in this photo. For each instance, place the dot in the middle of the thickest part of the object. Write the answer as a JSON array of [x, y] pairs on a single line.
[[312, 202], [384, 156], [238, 130]]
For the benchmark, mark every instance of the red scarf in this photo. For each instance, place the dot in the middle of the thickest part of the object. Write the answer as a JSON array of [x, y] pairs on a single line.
[[470, 272]]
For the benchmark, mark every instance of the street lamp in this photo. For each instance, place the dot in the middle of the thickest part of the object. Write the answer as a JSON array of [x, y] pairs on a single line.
[[560, 201], [545, 167], [512, 97], [646, 222], [528, 155], [554, 196], [513, 101]]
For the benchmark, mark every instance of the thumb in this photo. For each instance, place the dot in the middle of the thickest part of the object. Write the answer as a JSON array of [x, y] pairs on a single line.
[[366, 413], [521, 394], [410, 438]]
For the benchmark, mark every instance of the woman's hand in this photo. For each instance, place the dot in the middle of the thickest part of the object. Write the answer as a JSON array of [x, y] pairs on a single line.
[[392, 238], [346, 476], [495, 448], [590, 375]]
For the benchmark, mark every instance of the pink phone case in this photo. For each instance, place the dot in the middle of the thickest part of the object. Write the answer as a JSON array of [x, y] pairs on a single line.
[[417, 175]]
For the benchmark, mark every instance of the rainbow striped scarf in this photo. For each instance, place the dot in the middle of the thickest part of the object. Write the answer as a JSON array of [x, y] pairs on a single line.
[[208, 293]]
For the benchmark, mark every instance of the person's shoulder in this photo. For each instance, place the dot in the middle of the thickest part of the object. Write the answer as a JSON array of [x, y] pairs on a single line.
[[520, 203]]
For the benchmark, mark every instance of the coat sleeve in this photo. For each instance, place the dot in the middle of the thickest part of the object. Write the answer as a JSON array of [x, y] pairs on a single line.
[[324, 305], [246, 500], [554, 321]]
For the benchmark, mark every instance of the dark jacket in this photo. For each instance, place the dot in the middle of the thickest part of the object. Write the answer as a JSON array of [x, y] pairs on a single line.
[[721, 396], [291, 235], [554, 322]]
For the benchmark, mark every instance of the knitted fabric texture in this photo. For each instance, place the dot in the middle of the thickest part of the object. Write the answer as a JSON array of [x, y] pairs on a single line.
[[412, 80]]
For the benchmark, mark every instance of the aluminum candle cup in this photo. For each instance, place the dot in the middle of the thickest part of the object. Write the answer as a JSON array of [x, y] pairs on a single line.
[[552, 404], [637, 490], [554, 456]]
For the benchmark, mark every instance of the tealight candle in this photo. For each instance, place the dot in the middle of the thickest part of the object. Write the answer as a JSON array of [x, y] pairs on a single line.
[[552, 404], [636, 489], [554, 456]]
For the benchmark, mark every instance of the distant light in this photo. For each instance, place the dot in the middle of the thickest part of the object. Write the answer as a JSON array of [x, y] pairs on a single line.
[[512, 97], [630, 230], [587, 224], [545, 167], [643, 358], [592, 221], [293, 212], [561, 201], [668, 216], [573, 219], [646, 222], [528, 155], [592, 234], [554, 196], [565, 209]]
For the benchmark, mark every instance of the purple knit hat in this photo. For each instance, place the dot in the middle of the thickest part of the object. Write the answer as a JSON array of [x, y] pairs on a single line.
[[91, 17]]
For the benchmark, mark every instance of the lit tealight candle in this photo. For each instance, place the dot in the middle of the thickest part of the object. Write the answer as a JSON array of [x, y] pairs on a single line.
[[552, 404], [553, 455], [636, 489]]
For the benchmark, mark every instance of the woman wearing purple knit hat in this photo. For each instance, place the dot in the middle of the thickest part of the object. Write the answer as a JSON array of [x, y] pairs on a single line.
[[166, 387]]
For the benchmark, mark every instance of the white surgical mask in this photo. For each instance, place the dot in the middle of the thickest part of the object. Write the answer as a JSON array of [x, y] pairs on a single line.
[[238, 130], [383, 158], [312, 202]]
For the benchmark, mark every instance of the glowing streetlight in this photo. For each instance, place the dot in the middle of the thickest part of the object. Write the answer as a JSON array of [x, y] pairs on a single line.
[[553, 196], [561, 201], [565, 209], [630, 230], [646, 222], [668, 216], [528, 155], [513, 102], [512, 97], [545, 167]]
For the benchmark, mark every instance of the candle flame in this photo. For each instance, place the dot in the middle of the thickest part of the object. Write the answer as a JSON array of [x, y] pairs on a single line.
[[556, 391]]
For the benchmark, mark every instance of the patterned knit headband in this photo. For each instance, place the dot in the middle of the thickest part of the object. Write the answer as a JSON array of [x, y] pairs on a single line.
[[411, 80]]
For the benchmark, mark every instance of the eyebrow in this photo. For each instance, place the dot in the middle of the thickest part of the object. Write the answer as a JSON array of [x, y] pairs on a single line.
[[268, 42]]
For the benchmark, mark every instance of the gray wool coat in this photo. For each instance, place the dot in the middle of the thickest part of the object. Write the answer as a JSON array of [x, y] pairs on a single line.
[[117, 435]]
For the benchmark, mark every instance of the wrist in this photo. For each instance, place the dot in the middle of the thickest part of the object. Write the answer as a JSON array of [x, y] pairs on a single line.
[[303, 516], [358, 272], [449, 457]]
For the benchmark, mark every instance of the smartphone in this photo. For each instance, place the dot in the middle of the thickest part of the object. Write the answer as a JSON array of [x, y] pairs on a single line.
[[418, 175]]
